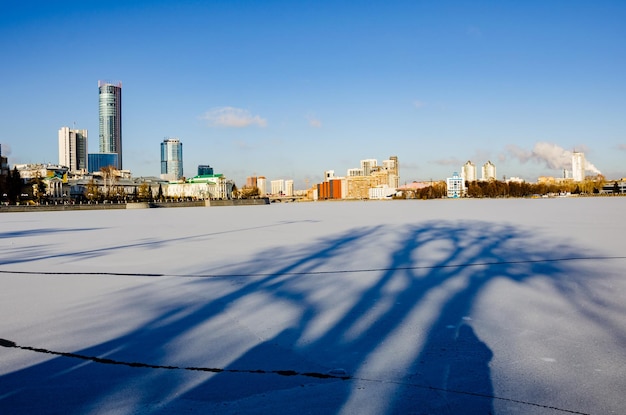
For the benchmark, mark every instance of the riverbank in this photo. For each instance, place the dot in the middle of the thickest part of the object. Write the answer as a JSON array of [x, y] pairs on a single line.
[[138, 205]]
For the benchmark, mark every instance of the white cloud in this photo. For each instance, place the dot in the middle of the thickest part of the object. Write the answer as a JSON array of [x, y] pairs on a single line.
[[418, 104], [314, 122], [622, 147], [232, 117], [410, 166], [519, 153], [449, 162]]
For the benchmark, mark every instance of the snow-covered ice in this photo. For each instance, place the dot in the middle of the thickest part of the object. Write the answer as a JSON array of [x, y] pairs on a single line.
[[445, 307]]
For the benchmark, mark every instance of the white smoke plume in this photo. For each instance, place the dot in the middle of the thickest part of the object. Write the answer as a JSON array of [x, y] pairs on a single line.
[[552, 155]]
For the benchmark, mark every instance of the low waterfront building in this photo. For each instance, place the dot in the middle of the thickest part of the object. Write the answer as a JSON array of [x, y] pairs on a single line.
[[455, 186], [382, 192]]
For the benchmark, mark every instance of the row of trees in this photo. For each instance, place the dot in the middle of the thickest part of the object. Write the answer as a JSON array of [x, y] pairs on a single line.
[[10, 187], [13, 190], [246, 192], [114, 193], [495, 188], [117, 194], [435, 191]]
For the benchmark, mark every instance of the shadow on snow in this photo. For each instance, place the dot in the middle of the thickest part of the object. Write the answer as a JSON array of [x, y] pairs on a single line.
[[402, 331]]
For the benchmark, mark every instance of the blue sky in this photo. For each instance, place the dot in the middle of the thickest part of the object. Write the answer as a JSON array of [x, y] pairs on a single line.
[[290, 89]]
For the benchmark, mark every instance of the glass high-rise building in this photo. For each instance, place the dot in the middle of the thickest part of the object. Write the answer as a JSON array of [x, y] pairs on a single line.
[[111, 119], [98, 161], [205, 170], [171, 159]]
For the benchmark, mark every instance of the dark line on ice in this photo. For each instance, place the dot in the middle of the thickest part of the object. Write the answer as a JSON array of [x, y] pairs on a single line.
[[346, 271], [95, 359], [123, 274], [12, 344], [480, 395]]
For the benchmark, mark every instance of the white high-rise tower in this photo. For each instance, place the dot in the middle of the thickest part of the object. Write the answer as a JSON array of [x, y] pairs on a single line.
[[73, 149], [578, 166]]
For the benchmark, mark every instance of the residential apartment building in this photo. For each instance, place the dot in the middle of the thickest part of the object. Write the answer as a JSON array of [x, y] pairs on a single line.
[[330, 189], [251, 181], [468, 172], [278, 187], [488, 171], [368, 166], [578, 166], [261, 183], [355, 172], [289, 187], [393, 171]]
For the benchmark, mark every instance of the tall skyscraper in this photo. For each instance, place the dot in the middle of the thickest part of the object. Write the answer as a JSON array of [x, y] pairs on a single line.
[[111, 119], [171, 159], [73, 149], [578, 166]]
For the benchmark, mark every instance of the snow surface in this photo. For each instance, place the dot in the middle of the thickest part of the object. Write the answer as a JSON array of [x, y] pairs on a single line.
[[444, 307]]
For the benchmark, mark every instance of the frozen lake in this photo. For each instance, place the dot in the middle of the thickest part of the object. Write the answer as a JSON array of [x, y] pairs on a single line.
[[423, 307]]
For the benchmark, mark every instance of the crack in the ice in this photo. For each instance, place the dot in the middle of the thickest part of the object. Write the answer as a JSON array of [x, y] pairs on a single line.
[[344, 271], [12, 344]]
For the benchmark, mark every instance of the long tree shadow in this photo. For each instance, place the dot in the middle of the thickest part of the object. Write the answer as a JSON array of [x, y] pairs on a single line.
[[402, 328], [387, 333]]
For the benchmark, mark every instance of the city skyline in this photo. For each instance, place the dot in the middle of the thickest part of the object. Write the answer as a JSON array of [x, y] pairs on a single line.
[[288, 90]]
